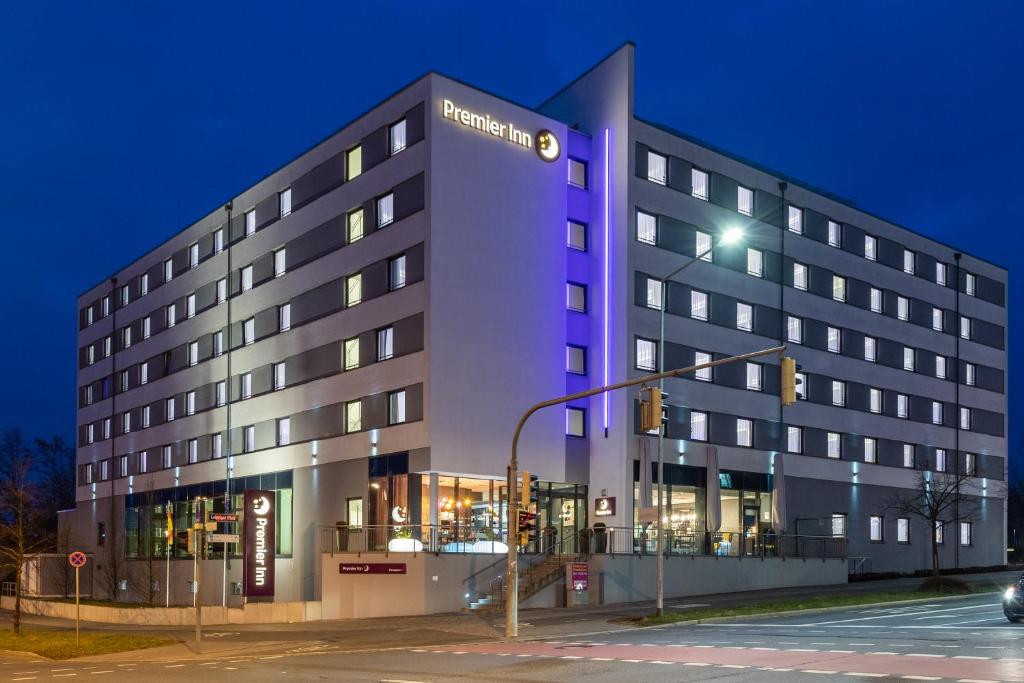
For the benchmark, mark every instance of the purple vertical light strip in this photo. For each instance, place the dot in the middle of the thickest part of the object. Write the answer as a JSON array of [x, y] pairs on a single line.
[[607, 268]]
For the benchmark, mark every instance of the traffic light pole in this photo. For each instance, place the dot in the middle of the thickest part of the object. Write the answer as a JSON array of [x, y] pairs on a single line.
[[512, 577]]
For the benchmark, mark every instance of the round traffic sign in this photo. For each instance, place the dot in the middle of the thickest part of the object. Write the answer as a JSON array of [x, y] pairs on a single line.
[[77, 559]]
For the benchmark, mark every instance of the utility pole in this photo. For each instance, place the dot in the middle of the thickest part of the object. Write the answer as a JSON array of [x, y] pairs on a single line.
[[227, 397], [197, 548]]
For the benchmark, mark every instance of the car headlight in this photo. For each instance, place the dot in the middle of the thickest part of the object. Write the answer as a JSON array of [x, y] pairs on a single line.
[[1010, 593]]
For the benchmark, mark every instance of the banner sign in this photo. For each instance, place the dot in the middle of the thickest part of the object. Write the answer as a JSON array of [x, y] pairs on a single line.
[[260, 544], [579, 575], [221, 516], [604, 506], [371, 568]]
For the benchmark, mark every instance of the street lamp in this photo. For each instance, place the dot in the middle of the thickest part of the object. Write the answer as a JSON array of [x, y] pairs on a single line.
[[729, 236]]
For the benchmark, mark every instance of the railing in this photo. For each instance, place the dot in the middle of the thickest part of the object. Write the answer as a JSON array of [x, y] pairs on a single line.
[[411, 539], [859, 565], [640, 541]]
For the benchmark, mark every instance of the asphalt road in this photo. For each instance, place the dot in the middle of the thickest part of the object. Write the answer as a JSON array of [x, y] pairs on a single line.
[[949, 640]]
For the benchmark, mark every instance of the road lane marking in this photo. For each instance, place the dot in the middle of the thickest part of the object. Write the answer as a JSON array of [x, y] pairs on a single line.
[[921, 678], [818, 671], [922, 654], [890, 616], [107, 671], [969, 657], [173, 666], [863, 675]]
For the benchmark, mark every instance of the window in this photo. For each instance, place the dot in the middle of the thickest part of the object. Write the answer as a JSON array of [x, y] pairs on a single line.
[[908, 455], [171, 316], [193, 451], [745, 200], [871, 247], [385, 343], [970, 467], [839, 525], [970, 373], [279, 262], [744, 317], [396, 407], [939, 539], [284, 431], [909, 261], [145, 417], [940, 273], [700, 358], [575, 359], [908, 358], [249, 439], [801, 385], [937, 412], [838, 288], [168, 270], [247, 278], [654, 293], [354, 226], [190, 306], [284, 202], [385, 210], [646, 228], [351, 353], [279, 376], [396, 137], [902, 530], [576, 297], [126, 337], [970, 284], [902, 406], [222, 290], [876, 300], [575, 422], [796, 220], [221, 393], [902, 308], [246, 385], [646, 355], [940, 367], [169, 409], [353, 162], [284, 317], [216, 446], [106, 346], [576, 237], [794, 439], [90, 433], [165, 457], [144, 284], [875, 400], [794, 329], [699, 181], [193, 255], [104, 470], [876, 528], [657, 168], [218, 240], [744, 432], [835, 340], [88, 316], [966, 533], [702, 246], [353, 416], [870, 450], [965, 327], [940, 460], [396, 272], [577, 173], [249, 331], [145, 327], [835, 234], [125, 292], [698, 426], [250, 222], [90, 352], [838, 393], [88, 395], [353, 289], [800, 276], [88, 480], [937, 319], [122, 466], [754, 372], [755, 262], [965, 418], [835, 445], [870, 349], [698, 305], [218, 343], [193, 353]]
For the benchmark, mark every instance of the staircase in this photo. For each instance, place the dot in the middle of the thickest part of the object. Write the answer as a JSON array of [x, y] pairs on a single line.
[[534, 575]]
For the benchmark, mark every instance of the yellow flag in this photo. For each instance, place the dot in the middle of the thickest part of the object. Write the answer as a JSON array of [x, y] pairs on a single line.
[[170, 521]]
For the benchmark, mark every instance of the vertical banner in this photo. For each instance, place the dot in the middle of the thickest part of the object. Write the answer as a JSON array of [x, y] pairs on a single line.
[[260, 545]]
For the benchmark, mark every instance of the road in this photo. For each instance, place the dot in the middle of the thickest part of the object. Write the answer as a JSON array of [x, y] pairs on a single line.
[[946, 640]]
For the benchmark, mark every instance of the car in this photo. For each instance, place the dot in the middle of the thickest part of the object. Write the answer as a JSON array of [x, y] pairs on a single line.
[[1013, 601]]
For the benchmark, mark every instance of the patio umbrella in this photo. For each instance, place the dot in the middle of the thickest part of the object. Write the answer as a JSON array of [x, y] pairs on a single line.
[[779, 496], [714, 492]]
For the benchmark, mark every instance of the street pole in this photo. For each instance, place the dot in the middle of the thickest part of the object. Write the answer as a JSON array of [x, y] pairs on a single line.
[[512, 602], [78, 608], [512, 574], [197, 547], [227, 398], [170, 537]]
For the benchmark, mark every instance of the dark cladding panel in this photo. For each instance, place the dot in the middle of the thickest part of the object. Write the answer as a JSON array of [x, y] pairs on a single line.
[[409, 197], [318, 181], [321, 240], [414, 125], [375, 148], [723, 191], [679, 174], [267, 211], [641, 160], [318, 302]]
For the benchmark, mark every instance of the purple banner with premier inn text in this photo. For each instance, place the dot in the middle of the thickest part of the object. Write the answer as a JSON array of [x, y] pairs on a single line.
[[260, 548]]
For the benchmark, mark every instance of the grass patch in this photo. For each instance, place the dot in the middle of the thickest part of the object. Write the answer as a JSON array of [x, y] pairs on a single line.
[[950, 585], [785, 606], [61, 644]]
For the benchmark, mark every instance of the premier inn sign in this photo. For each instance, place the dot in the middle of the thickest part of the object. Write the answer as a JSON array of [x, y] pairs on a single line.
[[260, 543], [545, 143]]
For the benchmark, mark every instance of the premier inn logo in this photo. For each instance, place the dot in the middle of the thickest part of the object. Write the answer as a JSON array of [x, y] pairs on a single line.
[[545, 143]]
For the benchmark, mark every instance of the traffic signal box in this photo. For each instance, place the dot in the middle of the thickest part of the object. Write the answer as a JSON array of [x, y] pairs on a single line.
[[789, 380], [526, 517], [650, 409]]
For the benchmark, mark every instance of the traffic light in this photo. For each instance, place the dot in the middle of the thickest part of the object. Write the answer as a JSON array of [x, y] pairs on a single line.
[[527, 490], [526, 526], [650, 409], [789, 380]]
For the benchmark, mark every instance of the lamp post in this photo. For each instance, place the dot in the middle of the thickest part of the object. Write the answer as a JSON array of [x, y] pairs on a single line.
[[730, 236]]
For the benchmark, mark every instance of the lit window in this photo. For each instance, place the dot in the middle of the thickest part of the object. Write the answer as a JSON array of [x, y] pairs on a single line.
[[353, 416], [222, 290], [385, 343], [700, 358], [351, 353], [126, 337], [88, 395], [396, 272], [940, 273], [795, 330], [794, 439], [221, 393], [249, 440], [702, 246], [936, 412], [90, 353], [966, 533], [169, 410], [145, 327], [870, 349], [870, 247], [193, 255], [218, 343], [284, 431], [284, 202], [902, 308], [123, 381], [657, 168], [965, 418], [908, 358], [835, 340], [190, 403], [970, 373], [353, 289], [171, 316], [835, 445], [246, 388], [577, 173], [280, 257], [754, 372], [279, 376], [800, 276], [940, 367], [122, 466], [216, 446], [838, 525], [575, 297], [698, 305], [168, 270], [744, 317], [835, 234], [796, 220], [838, 288], [969, 464], [249, 331], [165, 457], [744, 432], [902, 406], [385, 210], [876, 300], [396, 137], [965, 327], [870, 452], [755, 262], [838, 393], [699, 181], [576, 237], [745, 201], [250, 222], [88, 316], [125, 294], [940, 460], [646, 228], [875, 400], [575, 360], [90, 433], [143, 373], [646, 355], [284, 317], [353, 162], [126, 422], [970, 284], [246, 278], [218, 240], [354, 225], [190, 306], [937, 319], [654, 289], [575, 422], [909, 261], [939, 538], [698, 426], [876, 528], [902, 530], [144, 284], [396, 407], [193, 353], [145, 417]]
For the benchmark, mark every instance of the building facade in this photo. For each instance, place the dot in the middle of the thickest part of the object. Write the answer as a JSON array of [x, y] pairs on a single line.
[[360, 331]]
